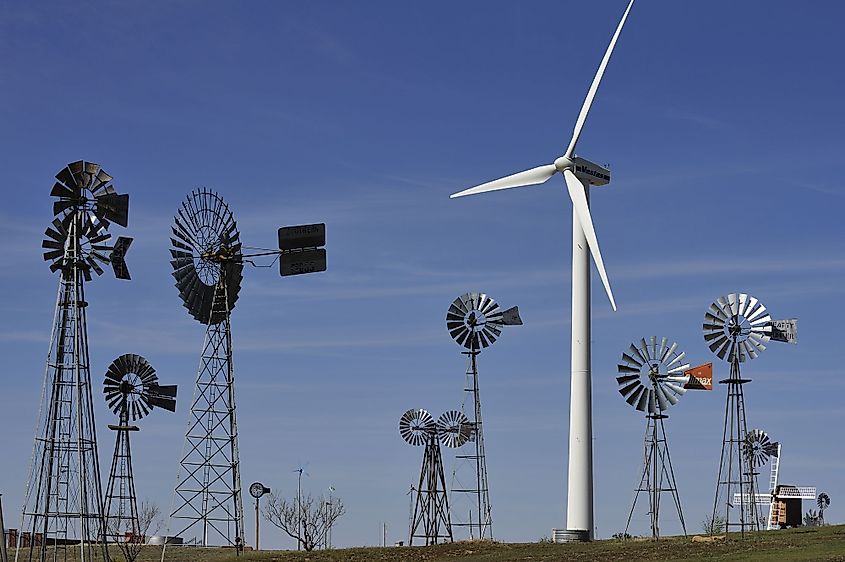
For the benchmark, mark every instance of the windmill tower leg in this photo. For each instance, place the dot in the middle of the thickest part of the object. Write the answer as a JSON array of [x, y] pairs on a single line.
[[121, 510], [431, 509], [658, 475], [209, 503], [736, 471], [667, 482], [64, 503], [480, 520], [579, 510]]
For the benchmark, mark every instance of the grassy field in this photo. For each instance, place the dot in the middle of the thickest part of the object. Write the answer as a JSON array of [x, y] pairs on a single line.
[[825, 544]]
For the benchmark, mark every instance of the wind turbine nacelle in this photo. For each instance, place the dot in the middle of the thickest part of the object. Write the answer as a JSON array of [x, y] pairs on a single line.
[[590, 172]]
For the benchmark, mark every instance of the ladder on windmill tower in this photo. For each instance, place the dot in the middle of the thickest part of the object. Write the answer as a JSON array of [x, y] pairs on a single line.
[[773, 484]]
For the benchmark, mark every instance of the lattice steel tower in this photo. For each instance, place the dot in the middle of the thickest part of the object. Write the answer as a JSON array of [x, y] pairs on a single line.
[[736, 328], [651, 378], [207, 264], [62, 516], [131, 391], [475, 321], [431, 519]]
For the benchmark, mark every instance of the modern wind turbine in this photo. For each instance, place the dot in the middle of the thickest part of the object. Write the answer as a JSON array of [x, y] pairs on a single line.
[[579, 174]]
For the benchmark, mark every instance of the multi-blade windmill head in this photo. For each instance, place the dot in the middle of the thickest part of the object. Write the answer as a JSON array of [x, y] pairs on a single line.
[[475, 321], [86, 183], [415, 426], [207, 259], [454, 428], [574, 169], [758, 447], [737, 326], [651, 375], [823, 501], [87, 204], [132, 390]]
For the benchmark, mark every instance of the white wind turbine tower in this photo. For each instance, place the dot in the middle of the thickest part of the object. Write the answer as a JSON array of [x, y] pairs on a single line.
[[579, 174]]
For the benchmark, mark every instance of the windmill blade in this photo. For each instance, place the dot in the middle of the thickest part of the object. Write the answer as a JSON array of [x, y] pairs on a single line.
[[662, 400], [670, 393], [630, 387], [67, 177], [582, 210], [645, 400], [634, 398], [646, 350], [664, 350], [630, 359], [591, 94], [534, 176], [633, 350], [678, 358], [677, 389]]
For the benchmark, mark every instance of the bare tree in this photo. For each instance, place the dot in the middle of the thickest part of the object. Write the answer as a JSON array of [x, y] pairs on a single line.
[[713, 525], [130, 541], [308, 520]]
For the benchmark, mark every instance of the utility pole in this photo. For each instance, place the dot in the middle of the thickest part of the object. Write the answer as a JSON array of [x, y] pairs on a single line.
[[299, 510]]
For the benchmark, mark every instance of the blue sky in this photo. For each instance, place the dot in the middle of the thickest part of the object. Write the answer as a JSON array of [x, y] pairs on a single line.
[[722, 126]]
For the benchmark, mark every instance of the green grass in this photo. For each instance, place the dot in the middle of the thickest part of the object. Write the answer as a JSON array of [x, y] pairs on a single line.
[[816, 544]]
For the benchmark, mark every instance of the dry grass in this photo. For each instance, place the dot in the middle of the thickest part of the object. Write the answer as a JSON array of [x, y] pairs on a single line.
[[816, 544]]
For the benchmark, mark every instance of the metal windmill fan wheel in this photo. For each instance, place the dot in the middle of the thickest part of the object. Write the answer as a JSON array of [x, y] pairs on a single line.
[[823, 501], [474, 320], [758, 447], [128, 385], [93, 249], [207, 260], [736, 326], [651, 375], [415, 426], [454, 428], [86, 186]]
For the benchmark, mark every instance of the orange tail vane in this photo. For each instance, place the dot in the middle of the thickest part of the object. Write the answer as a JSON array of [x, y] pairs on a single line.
[[700, 378]]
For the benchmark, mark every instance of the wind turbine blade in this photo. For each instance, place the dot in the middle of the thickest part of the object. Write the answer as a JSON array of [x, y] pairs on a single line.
[[534, 176], [585, 109], [582, 209]]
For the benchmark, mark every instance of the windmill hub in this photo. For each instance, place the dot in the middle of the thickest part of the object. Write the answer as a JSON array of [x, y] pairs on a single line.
[[564, 163]]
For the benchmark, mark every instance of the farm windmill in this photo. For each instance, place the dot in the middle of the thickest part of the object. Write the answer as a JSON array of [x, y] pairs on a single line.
[[208, 261], [652, 377], [823, 502], [63, 504], [132, 391], [475, 322], [579, 174], [431, 519], [736, 328], [783, 500]]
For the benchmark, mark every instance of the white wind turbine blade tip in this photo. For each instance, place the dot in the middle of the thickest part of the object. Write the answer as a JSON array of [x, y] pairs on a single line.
[[591, 93], [582, 209], [534, 176]]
